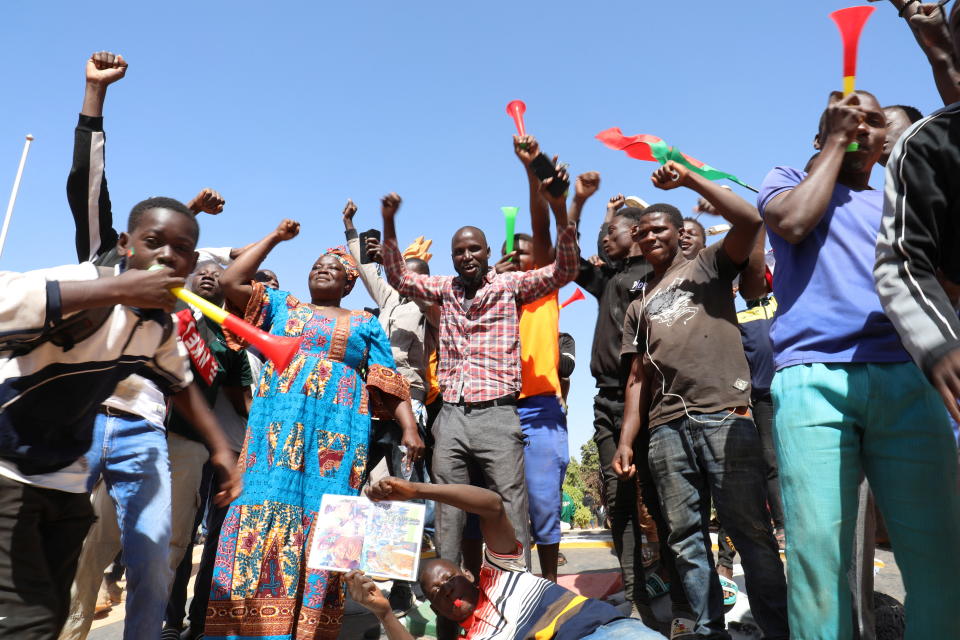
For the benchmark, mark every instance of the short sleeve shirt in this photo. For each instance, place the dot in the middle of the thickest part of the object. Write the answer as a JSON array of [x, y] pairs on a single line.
[[540, 347], [829, 310], [686, 328]]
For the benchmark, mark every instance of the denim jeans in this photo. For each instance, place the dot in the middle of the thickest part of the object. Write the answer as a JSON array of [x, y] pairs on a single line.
[[719, 455], [624, 629], [131, 456], [835, 422]]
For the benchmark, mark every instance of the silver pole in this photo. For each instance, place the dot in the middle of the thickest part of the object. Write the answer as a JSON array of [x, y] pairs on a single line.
[[13, 194]]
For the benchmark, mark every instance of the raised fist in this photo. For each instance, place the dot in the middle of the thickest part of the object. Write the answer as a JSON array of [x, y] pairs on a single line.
[[389, 204], [669, 176], [349, 210], [527, 148], [615, 203], [587, 185], [207, 201], [287, 230], [105, 68]]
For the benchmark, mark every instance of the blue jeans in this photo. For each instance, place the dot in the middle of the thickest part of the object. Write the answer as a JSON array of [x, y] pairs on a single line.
[[131, 455], [545, 460], [834, 422], [719, 455], [624, 629]]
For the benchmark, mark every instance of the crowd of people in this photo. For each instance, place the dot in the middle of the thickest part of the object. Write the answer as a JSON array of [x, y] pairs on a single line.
[[130, 419]]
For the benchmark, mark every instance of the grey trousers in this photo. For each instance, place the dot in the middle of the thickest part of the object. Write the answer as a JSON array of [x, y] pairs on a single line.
[[488, 442]]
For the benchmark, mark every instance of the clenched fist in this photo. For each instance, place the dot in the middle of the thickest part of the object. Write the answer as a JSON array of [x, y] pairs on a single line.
[[105, 68]]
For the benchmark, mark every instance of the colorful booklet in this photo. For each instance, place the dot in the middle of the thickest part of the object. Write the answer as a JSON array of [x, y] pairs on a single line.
[[382, 539]]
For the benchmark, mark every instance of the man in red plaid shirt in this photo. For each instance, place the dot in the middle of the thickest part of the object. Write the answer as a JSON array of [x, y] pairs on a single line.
[[479, 372]]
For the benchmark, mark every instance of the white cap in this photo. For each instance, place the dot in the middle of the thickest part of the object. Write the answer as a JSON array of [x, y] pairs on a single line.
[[635, 201]]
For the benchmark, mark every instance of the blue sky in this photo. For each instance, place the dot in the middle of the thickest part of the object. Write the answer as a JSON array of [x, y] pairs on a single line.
[[290, 108]]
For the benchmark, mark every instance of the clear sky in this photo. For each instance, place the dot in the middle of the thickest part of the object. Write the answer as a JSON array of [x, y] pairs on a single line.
[[290, 108]]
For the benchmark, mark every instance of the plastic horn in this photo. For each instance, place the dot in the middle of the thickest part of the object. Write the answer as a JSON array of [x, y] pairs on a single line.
[[850, 21], [510, 216], [516, 109], [577, 295], [279, 349], [13, 194]]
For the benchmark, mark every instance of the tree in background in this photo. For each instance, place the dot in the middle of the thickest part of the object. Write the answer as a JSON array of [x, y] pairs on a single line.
[[582, 479]]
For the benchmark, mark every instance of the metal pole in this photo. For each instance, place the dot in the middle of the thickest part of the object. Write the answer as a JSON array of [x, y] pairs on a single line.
[[13, 194]]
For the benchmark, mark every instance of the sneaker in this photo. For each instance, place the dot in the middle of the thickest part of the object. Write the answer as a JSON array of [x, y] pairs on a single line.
[[682, 629]]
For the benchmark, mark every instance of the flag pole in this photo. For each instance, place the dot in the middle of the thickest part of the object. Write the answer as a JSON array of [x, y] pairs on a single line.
[[13, 194]]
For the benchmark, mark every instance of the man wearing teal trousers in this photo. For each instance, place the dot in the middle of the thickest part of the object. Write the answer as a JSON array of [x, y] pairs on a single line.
[[847, 398]]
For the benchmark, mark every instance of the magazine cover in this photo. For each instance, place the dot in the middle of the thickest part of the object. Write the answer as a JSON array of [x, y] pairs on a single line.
[[382, 539]]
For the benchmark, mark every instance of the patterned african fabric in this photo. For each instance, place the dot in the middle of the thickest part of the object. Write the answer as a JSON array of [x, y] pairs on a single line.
[[307, 435]]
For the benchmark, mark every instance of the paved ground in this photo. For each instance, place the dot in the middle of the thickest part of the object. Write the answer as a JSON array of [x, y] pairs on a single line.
[[588, 553]]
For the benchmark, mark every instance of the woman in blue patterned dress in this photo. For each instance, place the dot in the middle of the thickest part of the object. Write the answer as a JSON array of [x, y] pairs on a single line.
[[307, 436]]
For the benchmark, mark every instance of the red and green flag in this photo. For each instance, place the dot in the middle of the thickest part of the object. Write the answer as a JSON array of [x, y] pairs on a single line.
[[654, 149]]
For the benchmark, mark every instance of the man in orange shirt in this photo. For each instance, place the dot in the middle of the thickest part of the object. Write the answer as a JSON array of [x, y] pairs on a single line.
[[542, 417]]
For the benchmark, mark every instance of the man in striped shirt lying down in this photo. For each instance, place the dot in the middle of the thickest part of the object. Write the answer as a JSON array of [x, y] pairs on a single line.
[[510, 603]]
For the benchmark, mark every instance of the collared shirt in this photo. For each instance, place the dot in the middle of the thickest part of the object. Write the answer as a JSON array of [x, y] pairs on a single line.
[[480, 340], [410, 324]]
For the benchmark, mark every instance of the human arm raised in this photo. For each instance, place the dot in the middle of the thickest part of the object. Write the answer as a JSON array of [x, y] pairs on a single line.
[[236, 279], [793, 214], [743, 217], [379, 290], [406, 282], [498, 533], [527, 148], [584, 188], [929, 26], [87, 192]]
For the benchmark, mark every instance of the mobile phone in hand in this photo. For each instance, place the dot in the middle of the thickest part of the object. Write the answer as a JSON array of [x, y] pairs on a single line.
[[369, 233], [543, 168]]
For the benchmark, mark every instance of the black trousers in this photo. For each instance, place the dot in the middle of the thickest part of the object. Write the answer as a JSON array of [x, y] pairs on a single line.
[[41, 534], [622, 503]]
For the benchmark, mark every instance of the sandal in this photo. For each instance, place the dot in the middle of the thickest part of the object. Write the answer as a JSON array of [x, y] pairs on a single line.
[[730, 591]]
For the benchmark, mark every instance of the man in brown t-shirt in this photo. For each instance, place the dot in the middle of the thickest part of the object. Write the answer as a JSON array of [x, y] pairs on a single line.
[[689, 384]]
